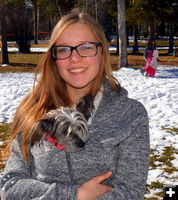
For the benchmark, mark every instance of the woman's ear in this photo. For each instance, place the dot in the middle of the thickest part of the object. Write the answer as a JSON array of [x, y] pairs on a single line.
[[85, 106]]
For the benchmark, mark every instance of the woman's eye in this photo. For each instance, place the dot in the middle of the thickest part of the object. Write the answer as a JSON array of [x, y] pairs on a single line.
[[86, 47], [62, 50]]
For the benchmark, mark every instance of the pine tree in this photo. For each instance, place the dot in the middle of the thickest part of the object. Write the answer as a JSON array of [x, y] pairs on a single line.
[[122, 33], [5, 59]]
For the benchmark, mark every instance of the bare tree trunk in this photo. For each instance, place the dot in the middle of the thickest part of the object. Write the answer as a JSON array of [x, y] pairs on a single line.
[[117, 42], [171, 39], [49, 24], [5, 59], [122, 34], [151, 29], [59, 8], [135, 46], [36, 22]]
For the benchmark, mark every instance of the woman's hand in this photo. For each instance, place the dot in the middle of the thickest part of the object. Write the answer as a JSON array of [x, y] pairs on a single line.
[[93, 189]]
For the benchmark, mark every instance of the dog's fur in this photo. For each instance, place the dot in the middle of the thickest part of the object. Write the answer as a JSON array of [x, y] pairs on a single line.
[[67, 124]]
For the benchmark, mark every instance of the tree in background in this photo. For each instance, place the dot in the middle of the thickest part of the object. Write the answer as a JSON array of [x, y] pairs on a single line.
[[149, 12], [153, 13], [5, 59], [56, 8], [92, 7], [131, 18], [36, 20], [172, 20], [20, 20], [51, 11], [121, 4], [113, 11]]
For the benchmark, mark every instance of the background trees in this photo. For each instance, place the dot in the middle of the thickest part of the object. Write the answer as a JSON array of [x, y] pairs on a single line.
[[34, 19], [121, 4], [149, 12], [152, 14], [19, 17], [5, 59]]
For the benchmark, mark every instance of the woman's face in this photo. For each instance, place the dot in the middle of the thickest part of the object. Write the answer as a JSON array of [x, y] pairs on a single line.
[[78, 72]]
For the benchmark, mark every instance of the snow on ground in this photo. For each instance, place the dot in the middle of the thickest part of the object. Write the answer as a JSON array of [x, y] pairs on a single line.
[[159, 95]]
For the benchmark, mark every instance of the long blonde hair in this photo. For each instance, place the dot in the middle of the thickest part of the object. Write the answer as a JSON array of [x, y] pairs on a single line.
[[49, 91]]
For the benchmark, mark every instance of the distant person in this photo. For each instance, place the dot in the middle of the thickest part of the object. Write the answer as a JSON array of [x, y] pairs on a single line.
[[151, 58]]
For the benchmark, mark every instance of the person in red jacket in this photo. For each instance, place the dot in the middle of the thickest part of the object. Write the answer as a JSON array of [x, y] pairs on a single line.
[[151, 58]]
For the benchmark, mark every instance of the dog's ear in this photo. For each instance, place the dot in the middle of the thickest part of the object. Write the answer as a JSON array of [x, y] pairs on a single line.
[[42, 128], [46, 125], [85, 105]]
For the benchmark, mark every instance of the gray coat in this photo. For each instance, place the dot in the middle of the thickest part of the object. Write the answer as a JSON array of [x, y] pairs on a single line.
[[119, 142]]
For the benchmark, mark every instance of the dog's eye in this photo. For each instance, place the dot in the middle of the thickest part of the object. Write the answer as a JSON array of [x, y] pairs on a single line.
[[75, 136]]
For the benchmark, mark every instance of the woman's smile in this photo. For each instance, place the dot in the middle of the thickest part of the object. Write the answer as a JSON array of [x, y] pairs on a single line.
[[77, 70]]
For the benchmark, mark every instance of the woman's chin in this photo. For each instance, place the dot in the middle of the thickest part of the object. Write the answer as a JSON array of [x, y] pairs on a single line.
[[79, 85]]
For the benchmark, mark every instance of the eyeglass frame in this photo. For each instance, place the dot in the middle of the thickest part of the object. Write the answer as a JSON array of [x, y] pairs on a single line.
[[72, 48]]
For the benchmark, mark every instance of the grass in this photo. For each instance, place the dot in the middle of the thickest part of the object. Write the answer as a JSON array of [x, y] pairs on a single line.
[[156, 184], [152, 198], [21, 62], [163, 162], [173, 130], [28, 62], [4, 138]]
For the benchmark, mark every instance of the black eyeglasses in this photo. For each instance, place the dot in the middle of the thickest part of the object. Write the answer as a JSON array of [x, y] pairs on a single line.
[[88, 49]]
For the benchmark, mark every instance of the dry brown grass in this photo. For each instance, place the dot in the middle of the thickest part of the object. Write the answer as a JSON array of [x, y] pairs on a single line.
[[4, 138], [21, 62], [28, 62], [137, 61]]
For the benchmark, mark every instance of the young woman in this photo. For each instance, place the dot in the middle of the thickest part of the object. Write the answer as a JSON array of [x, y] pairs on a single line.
[[151, 58], [114, 163]]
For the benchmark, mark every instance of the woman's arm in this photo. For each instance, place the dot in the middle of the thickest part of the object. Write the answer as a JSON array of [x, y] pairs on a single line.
[[17, 182], [129, 180]]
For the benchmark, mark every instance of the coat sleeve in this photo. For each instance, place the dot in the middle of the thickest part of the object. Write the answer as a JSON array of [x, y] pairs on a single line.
[[129, 180], [155, 53], [17, 181], [154, 62]]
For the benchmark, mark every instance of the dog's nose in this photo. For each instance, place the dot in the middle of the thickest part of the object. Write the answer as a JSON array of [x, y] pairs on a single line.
[[79, 143]]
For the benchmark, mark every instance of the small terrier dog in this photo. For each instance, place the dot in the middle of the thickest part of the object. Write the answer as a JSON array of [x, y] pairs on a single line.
[[68, 125]]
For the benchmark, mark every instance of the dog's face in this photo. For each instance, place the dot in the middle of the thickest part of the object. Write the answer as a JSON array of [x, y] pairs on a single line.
[[67, 125]]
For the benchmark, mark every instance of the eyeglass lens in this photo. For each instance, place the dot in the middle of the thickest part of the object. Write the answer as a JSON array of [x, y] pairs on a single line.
[[84, 50]]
